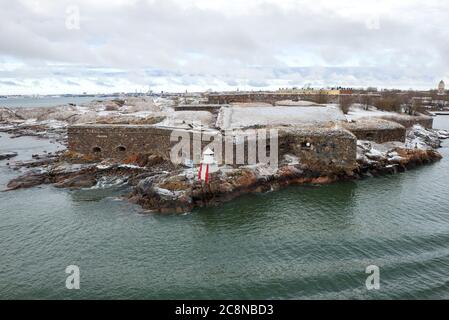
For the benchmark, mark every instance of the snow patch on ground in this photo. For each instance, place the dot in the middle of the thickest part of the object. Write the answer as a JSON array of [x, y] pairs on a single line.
[[188, 119], [419, 137], [291, 159], [296, 103], [109, 182], [357, 112], [130, 166], [167, 194]]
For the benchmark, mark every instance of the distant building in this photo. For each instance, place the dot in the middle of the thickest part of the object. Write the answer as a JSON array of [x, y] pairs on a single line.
[[441, 87], [311, 91]]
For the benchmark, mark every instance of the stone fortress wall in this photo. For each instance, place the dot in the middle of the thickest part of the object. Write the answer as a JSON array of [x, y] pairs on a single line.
[[410, 121], [335, 148], [320, 148], [264, 97], [377, 130], [332, 145], [117, 140], [213, 108]]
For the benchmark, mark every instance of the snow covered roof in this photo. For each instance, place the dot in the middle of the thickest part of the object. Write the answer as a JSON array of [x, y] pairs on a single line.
[[372, 124], [299, 103], [188, 119], [235, 117], [358, 113], [208, 151]]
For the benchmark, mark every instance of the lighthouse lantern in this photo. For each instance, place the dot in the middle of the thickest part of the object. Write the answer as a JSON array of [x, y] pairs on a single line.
[[207, 165], [208, 157]]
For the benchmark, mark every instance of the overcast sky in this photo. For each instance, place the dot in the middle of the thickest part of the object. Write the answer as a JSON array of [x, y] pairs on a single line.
[[49, 46]]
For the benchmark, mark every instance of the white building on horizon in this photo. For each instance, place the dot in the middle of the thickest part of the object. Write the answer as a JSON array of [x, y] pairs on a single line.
[[441, 87]]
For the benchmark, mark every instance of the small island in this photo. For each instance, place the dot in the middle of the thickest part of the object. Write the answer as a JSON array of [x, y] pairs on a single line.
[[259, 142]]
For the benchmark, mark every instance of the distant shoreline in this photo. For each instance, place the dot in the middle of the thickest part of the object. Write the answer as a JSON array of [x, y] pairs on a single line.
[[46, 101]]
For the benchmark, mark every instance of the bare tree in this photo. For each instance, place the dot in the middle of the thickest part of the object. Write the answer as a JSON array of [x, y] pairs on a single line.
[[390, 102], [413, 106], [366, 101], [345, 102], [322, 98]]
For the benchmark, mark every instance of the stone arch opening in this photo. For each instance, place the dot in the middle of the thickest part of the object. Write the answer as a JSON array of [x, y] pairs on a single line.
[[121, 148], [369, 136], [307, 145], [96, 149]]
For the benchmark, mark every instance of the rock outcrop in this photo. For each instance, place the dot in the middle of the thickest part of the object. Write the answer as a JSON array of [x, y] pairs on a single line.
[[307, 155], [181, 191], [7, 155]]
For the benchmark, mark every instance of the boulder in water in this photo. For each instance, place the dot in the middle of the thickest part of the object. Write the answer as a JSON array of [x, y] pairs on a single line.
[[27, 181], [7, 155], [77, 182]]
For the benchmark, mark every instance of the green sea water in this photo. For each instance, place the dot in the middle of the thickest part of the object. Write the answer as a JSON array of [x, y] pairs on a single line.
[[304, 242]]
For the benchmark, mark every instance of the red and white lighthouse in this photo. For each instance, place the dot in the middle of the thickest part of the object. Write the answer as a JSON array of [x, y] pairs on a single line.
[[207, 165]]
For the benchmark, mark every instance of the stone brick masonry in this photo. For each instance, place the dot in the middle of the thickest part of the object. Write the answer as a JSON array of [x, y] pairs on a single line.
[[118, 141], [265, 97], [334, 148], [376, 130]]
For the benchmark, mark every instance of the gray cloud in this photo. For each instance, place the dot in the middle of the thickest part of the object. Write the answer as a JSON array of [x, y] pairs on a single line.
[[171, 45], [8, 83]]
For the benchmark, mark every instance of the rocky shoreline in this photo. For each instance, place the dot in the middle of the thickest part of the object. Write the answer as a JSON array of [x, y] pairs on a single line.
[[181, 193], [159, 186]]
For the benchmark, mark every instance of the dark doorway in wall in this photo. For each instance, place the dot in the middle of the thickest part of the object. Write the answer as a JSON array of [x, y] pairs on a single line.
[[96, 149], [306, 145], [121, 149]]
